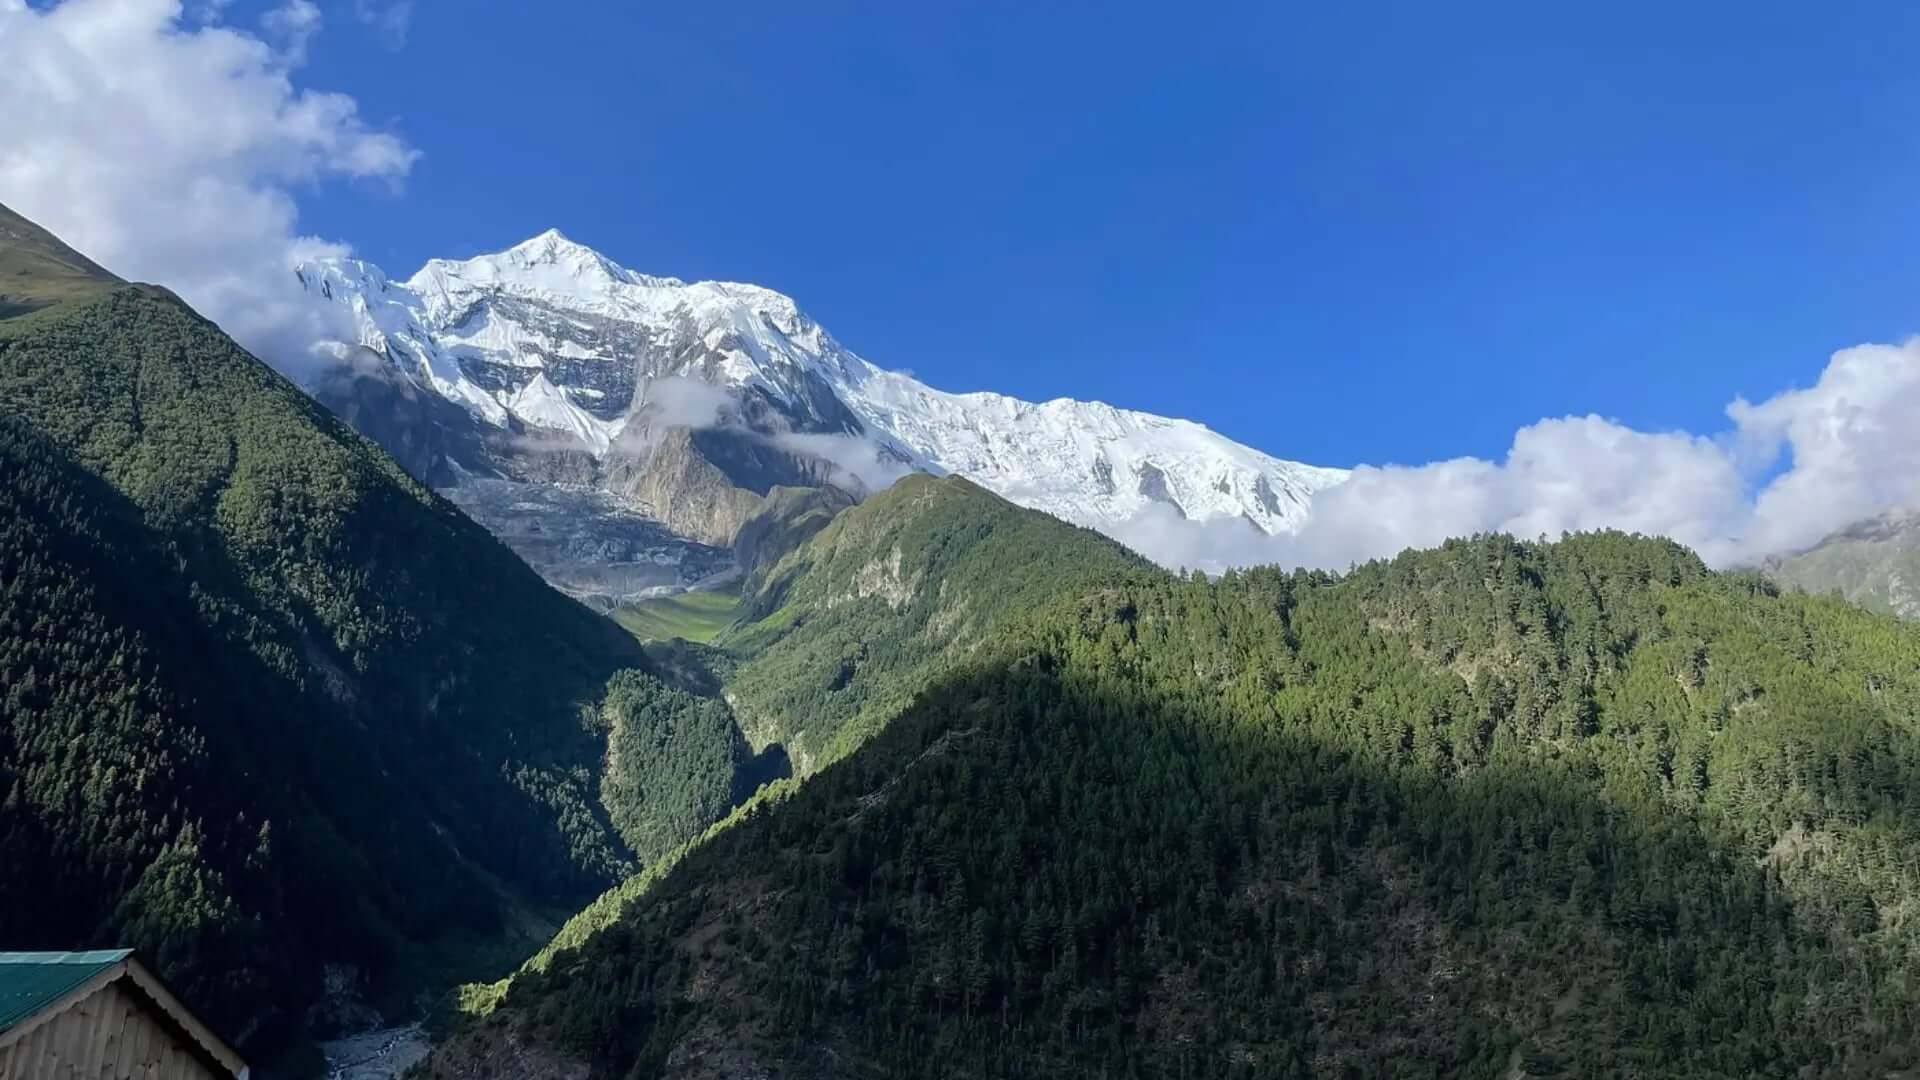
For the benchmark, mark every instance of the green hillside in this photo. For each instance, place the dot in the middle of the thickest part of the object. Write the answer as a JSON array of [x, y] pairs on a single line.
[[840, 634], [819, 651], [1496, 810], [37, 270], [835, 641], [692, 616], [272, 711], [946, 788]]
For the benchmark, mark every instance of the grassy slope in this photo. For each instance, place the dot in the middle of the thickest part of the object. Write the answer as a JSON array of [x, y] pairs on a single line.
[[691, 616], [37, 270], [815, 668], [1875, 564]]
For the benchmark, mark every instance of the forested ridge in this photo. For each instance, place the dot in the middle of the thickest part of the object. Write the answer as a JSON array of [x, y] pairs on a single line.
[[270, 707], [837, 637], [310, 739], [283, 719], [1498, 809]]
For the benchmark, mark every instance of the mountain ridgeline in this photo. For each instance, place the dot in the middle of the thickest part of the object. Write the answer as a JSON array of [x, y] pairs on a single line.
[[621, 430], [37, 270], [844, 631], [948, 787], [1873, 563], [1501, 809], [273, 712], [832, 641], [290, 723]]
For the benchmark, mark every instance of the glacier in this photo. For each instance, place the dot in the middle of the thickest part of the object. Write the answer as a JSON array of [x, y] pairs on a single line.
[[551, 340]]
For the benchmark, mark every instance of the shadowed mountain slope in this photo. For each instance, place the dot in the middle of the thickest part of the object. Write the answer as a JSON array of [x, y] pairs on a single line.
[[270, 711], [1496, 810]]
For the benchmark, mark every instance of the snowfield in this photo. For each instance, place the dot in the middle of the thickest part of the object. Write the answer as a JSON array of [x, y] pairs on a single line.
[[551, 335]]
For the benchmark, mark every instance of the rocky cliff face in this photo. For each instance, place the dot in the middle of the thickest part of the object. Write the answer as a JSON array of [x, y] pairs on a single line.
[[424, 431], [672, 479]]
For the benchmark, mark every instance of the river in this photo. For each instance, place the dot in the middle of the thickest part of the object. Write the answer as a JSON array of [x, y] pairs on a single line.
[[382, 1054]]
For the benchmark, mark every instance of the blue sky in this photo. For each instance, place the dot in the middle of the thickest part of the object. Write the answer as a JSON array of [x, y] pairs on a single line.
[[1572, 269], [1338, 232]]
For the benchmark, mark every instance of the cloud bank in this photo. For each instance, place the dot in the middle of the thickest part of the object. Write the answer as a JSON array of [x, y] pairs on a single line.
[[168, 148], [1850, 445], [859, 464]]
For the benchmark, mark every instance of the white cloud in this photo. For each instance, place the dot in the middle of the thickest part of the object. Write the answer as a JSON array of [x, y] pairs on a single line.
[[673, 401], [206, 11], [390, 19], [857, 463], [1852, 445], [1854, 441], [292, 26], [168, 148], [676, 401], [860, 464]]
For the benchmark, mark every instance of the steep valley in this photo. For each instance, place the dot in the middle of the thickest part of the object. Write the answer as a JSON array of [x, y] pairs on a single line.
[[921, 780]]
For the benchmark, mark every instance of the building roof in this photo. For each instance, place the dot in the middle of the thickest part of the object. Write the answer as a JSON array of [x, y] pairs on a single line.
[[36, 987], [30, 981]]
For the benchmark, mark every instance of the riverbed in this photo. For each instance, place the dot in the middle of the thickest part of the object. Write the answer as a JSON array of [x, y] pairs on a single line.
[[382, 1054]]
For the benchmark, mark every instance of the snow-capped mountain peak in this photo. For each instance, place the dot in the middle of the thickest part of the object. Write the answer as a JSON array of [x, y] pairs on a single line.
[[548, 262], [552, 337]]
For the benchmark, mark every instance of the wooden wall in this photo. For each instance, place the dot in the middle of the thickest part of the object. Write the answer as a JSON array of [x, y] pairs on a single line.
[[109, 1035]]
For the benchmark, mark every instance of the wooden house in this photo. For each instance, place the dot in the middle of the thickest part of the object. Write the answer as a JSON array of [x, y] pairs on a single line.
[[100, 1016]]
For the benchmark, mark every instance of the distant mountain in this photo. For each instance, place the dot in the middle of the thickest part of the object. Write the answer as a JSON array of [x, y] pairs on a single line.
[[270, 710], [684, 404], [1874, 563], [1500, 809]]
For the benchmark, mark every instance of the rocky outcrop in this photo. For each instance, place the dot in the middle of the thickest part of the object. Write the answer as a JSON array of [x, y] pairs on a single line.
[[651, 512], [669, 479], [551, 342]]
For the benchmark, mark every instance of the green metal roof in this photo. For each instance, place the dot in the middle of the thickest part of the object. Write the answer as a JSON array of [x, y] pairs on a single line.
[[30, 981]]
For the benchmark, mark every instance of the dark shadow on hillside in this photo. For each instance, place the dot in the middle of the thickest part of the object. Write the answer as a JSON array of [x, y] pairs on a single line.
[[377, 882], [1039, 873], [363, 810], [770, 763], [690, 666]]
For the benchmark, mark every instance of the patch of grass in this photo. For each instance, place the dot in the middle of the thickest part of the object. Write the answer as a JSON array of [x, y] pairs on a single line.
[[746, 640], [692, 616], [38, 271]]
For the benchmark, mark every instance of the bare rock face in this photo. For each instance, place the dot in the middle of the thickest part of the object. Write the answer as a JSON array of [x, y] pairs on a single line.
[[587, 543], [672, 480], [422, 430]]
